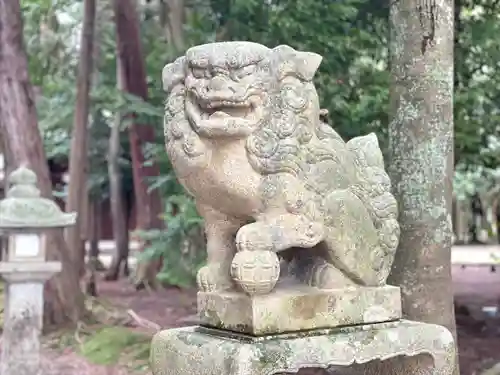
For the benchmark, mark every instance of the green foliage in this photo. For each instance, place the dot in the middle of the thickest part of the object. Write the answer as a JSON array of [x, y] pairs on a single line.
[[477, 98], [181, 244], [480, 180], [109, 345], [352, 81]]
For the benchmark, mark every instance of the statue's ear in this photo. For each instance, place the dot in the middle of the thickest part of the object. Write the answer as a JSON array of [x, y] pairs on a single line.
[[174, 73], [290, 61]]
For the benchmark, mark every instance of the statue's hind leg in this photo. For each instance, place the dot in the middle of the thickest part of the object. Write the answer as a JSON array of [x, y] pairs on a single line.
[[311, 268]]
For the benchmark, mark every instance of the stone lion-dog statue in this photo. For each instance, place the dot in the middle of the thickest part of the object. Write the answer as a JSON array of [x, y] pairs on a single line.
[[245, 139]]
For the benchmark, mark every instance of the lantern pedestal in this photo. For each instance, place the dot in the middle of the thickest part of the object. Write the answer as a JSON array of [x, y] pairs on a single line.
[[23, 312]]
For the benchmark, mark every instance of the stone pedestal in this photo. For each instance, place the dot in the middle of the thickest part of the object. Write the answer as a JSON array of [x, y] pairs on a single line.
[[353, 350], [23, 312], [293, 308]]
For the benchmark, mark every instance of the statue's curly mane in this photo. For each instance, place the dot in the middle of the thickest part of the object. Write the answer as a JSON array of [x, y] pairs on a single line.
[[176, 124], [283, 142]]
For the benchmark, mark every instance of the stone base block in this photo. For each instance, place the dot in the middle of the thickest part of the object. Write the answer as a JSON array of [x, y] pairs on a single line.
[[297, 309], [378, 349]]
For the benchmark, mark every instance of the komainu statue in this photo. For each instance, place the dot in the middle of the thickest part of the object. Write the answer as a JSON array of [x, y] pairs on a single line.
[[301, 227], [244, 136]]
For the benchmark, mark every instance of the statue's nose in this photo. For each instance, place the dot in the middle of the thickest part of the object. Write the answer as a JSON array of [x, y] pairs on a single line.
[[218, 83]]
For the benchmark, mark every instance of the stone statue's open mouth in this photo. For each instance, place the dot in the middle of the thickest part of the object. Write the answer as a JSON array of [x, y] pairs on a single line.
[[224, 109], [211, 114]]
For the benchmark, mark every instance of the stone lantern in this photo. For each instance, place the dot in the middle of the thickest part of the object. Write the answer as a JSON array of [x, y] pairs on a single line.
[[25, 219]]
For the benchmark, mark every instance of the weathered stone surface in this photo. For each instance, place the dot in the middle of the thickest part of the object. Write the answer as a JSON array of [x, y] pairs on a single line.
[[293, 309], [357, 350], [23, 213], [495, 370], [244, 135], [20, 353], [25, 209]]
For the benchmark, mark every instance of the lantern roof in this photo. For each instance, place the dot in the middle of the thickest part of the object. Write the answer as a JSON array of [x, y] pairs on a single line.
[[25, 209]]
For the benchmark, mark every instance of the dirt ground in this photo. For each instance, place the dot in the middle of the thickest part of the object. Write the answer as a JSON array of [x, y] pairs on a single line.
[[474, 287], [478, 335]]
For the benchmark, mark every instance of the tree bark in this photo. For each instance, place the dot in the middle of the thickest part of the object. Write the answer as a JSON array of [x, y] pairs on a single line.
[[7, 169], [64, 300], [94, 234], [172, 18], [476, 208], [122, 246], [78, 163], [421, 150], [133, 76], [497, 218], [93, 265], [119, 214]]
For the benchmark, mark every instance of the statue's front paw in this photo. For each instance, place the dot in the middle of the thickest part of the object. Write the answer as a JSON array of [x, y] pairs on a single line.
[[309, 234], [279, 233], [254, 237], [212, 279]]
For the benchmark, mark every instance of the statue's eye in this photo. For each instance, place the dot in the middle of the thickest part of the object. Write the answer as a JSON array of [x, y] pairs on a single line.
[[245, 71]]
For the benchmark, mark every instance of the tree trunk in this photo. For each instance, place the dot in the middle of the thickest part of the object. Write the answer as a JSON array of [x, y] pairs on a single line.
[[93, 265], [119, 214], [94, 234], [133, 77], [497, 218], [476, 208], [7, 162], [78, 163], [172, 18], [421, 149], [122, 246], [64, 301], [454, 221]]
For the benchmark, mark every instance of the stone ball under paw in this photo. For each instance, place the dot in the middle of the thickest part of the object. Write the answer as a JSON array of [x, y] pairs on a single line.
[[256, 272]]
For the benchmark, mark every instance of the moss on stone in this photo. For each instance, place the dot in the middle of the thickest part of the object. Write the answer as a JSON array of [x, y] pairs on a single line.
[[110, 345]]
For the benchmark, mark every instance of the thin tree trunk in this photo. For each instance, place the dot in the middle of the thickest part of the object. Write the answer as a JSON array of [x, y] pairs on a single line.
[[454, 216], [93, 265], [78, 161], [172, 18], [64, 300], [497, 218], [421, 149], [7, 169], [477, 217], [85, 215], [118, 210], [122, 247], [133, 76], [94, 234]]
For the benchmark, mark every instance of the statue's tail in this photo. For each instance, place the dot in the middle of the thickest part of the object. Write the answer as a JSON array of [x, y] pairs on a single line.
[[375, 190]]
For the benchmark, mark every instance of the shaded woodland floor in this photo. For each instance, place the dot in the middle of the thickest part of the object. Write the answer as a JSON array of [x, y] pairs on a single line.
[[478, 334], [475, 287]]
